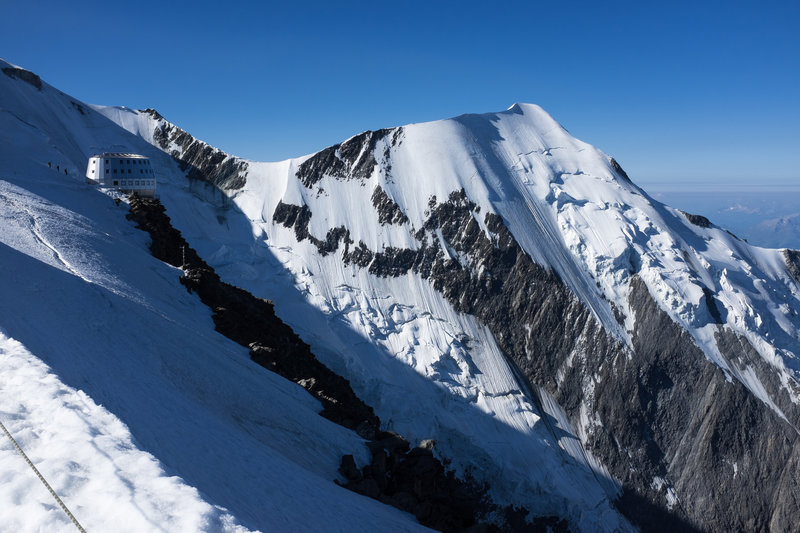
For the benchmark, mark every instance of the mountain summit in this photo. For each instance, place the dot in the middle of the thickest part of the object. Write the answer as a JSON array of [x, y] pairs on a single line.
[[487, 281]]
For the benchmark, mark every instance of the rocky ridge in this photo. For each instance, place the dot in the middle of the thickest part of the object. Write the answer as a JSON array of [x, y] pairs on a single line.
[[252, 322], [199, 160], [792, 258], [25, 75], [411, 479]]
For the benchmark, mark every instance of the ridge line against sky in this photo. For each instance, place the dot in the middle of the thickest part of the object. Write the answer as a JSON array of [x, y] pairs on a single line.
[[678, 93]]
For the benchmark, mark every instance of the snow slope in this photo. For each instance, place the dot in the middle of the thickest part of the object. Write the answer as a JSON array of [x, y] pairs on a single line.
[[113, 379], [428, 371], [90, 457]]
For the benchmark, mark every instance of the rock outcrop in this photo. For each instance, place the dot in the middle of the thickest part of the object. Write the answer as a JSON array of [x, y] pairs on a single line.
[[697, 220], [25, 75], [199, 160], [352, 159], [298, 217], [388, 210], [414, 480], [792, 258]]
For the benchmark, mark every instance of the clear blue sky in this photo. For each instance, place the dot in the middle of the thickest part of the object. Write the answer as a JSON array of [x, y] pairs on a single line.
[[674, 90]]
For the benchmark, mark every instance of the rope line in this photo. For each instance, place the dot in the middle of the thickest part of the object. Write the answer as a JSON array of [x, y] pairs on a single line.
[[41, 478]]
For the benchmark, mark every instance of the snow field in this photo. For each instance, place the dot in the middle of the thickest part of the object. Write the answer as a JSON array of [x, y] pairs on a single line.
[[113, 378], [90, 459]]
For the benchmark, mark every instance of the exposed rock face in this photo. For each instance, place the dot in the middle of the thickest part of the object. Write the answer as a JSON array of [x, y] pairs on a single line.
[[293, 216], [388, 210], [78, 107], [25, 75], [298, 217], [697, 220], [712, 304], [725, 453], [616, 166], [415, 480], [199, 160], [793, 263], [352, 159]]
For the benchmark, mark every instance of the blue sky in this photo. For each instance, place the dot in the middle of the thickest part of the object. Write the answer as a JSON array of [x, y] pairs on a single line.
[[678, 92]]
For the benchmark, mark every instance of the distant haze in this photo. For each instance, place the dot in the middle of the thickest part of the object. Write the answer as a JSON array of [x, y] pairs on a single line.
[[765, 218]]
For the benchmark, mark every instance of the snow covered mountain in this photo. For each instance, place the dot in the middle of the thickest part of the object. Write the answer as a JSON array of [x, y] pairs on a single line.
[[487, 281], [771, 230], [113, 380]]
